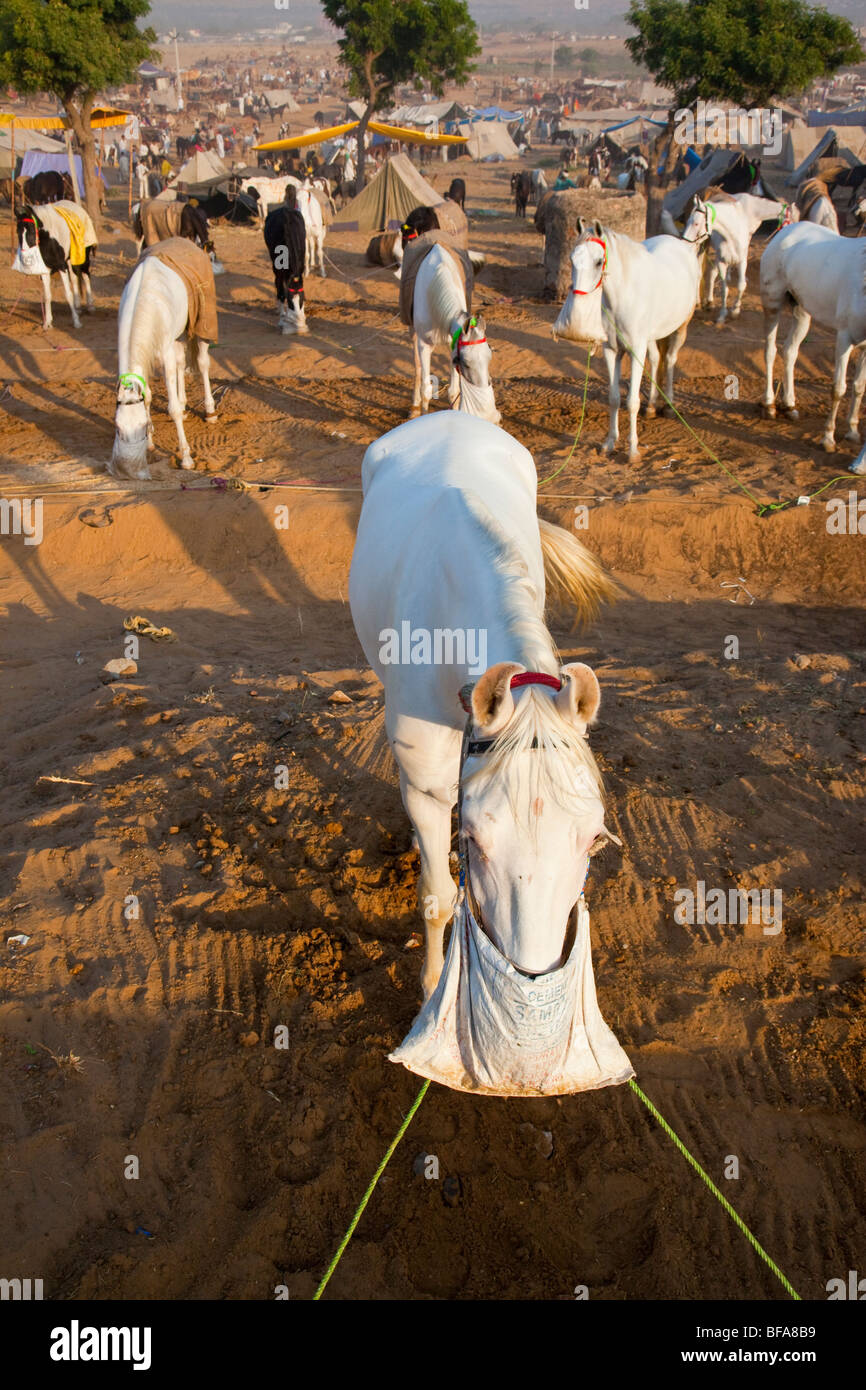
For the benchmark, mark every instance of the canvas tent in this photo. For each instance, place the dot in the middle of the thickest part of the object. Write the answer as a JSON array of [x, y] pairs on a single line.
[[281, 99], [828, 147], [711, 168], [441, 113], [388, 198], [489, 140], [203, 167], [796, 145]]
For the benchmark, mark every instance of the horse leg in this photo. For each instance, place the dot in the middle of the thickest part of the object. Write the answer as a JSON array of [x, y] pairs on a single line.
[[454, 388], [840, 385], [613, 361], [799, 329], [741, 286], [416, 393], [436, 889], [321, 249], [203, 363], [723, 281], [638, 357], [180, 368], [654, 356], [425, 354], [709, 285], [771, 330], [174, 370], [71, 297], [88, 290], [672, 352], [857, 390], [47, 319]]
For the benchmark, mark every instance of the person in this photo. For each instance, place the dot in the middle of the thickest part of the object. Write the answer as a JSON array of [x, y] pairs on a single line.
[[220, 145]]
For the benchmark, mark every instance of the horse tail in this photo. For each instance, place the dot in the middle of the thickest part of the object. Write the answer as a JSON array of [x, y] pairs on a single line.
[[572, 574]]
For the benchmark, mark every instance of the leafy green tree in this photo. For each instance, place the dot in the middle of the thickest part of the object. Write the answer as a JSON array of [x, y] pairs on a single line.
[[388, 42], [747, 52], [563, 56], [73, 49]]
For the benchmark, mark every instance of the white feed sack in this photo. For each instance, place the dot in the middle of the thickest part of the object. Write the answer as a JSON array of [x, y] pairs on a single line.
[[28, 260], [580, 319], [489, 1029]]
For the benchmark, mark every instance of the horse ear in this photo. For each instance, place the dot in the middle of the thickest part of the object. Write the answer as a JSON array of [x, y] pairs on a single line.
[[581, 226], [580, 696], [492, 701], [597, 228]]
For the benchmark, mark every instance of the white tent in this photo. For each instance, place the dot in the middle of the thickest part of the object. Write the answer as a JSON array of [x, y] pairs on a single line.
[[202, 167], [489, 140]]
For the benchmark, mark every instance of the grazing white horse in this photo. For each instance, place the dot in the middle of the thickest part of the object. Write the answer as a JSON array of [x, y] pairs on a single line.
[[449, 547], [440, 315], [729, 224], [310, 209], [269, 190], [153, 314], [824, 275], [636, 298]]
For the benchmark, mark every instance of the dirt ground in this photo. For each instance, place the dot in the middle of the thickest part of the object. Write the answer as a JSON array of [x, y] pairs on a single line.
[[151, 1035]]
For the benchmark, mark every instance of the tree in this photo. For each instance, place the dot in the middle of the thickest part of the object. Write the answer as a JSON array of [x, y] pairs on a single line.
[[386, 42], [73, 49], [738, 51], [563, 56]]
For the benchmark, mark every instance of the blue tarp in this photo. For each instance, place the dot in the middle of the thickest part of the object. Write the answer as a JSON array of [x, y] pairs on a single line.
[[854, 115], [496, 113]]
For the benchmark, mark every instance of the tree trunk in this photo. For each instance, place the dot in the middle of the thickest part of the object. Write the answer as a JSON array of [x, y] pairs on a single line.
[[85, 138], [656, 182], [362, 153]]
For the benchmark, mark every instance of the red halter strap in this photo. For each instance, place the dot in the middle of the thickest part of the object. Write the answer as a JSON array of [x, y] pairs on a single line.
[[523, 678], [600, 243]]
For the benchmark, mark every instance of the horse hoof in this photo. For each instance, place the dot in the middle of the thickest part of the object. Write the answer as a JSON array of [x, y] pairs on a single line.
[[210, 419], [414, 412], [768, 411], [828, 445], [187, 463], [649, 412], [635, 457]]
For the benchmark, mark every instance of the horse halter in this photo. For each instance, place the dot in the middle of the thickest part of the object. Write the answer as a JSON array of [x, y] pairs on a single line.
[[710, 218], [458, 341], [473, 747], [603, 246], [130, 381]]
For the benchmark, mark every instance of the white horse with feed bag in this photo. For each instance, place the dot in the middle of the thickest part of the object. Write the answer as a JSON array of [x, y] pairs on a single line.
[[449, 543], [636, 299]]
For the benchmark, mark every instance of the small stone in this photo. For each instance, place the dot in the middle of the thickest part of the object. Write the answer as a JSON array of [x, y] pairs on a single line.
[[248, 1039], [120, 666], [801, 661], [452, 1190], [339, 697]]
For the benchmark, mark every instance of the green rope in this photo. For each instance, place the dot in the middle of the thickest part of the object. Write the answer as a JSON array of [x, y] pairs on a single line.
[[715, 1191], [545, 481], [763, 508], [368, 1194]]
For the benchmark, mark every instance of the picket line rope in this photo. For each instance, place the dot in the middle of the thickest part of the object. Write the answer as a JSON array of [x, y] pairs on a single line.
[[738, 1221], [715, 1191], [368, 1194]]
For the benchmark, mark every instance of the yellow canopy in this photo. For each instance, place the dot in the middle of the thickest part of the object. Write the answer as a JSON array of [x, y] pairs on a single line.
[[393, 132], [102, 116]]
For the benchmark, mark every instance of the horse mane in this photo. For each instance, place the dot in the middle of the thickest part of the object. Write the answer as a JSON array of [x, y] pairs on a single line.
[[564, 763]]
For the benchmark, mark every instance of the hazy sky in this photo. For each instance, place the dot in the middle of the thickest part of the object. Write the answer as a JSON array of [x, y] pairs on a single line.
[[600, 16]]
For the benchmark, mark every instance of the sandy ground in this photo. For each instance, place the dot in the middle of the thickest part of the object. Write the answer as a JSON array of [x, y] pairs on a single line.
[[260, 907]]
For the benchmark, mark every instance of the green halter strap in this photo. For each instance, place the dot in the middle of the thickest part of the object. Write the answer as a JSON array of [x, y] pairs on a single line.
[[127, 379]]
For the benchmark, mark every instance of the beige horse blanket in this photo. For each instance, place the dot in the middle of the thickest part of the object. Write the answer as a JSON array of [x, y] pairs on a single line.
[[413, 256], [196, 271], [159, 220]]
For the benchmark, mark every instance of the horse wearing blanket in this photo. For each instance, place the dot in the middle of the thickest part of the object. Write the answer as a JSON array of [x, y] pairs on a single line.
[[58, 239], [170, 291]]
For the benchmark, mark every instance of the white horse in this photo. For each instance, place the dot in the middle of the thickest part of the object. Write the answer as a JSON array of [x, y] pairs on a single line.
[[152, 316], [449, 546], [636, 298], [269, 190], [310, 209], [729, 224], [440, 315], [820, 208], [824, 275]]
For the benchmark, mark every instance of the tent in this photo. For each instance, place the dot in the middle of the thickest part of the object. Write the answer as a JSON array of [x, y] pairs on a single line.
[[828, 147], [388, 198], [281, 99], [495, 113], [851, 115], [796, 145], [205, 166], [711, 168], [489, 140], [443, 112]]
